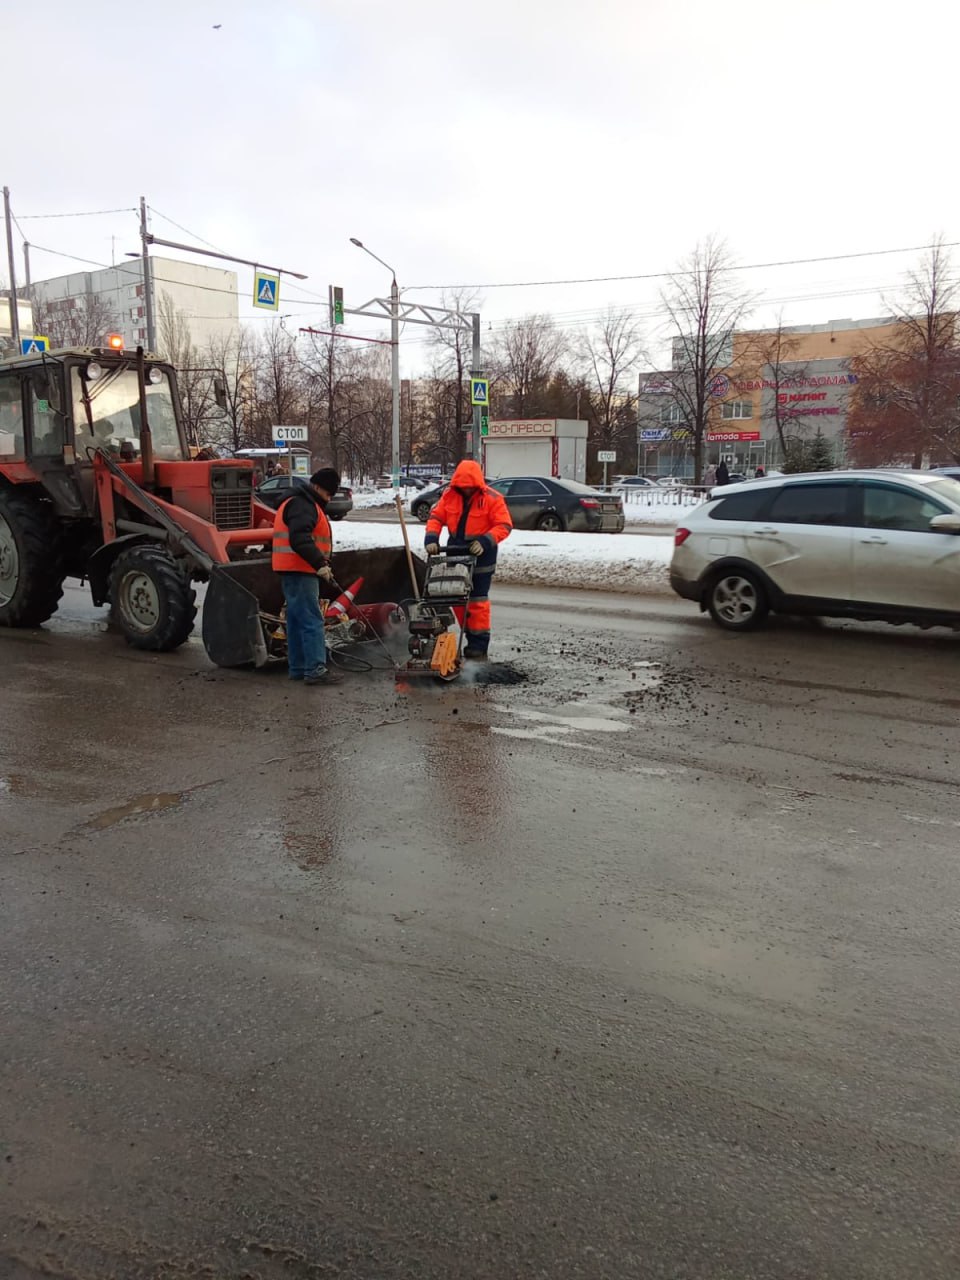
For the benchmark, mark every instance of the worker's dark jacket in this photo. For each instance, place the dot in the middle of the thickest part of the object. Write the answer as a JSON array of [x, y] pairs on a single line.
[[303, 522]]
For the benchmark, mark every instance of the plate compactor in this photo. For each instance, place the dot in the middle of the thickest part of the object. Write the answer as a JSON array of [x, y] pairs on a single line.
[[436, 619]]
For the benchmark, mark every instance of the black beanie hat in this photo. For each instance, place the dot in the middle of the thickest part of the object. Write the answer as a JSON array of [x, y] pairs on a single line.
[[326, 478]]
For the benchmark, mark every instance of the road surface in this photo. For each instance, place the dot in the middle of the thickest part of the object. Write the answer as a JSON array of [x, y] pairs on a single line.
[[647, 967]]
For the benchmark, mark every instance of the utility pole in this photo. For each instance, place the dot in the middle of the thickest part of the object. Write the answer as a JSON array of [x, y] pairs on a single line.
[[27, 286], [14, 314], [394, 362], [475, 372], [147, 278], [395, 382], [407, 313]]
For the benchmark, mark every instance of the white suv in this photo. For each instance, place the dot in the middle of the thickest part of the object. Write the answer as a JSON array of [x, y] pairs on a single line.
[[852, 544]]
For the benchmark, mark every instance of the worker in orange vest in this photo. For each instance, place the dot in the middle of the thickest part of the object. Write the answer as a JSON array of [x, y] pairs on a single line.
[[302, 547], [477, 521]]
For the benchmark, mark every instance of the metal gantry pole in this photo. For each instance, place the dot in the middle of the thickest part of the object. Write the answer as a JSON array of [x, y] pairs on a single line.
[[147, 278], [14, 314], [27, 284], [395, 380]]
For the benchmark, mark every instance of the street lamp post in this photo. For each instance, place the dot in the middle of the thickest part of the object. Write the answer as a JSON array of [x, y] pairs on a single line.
[[394, 361]]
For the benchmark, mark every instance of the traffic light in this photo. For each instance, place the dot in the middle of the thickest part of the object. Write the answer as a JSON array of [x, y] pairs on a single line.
[[336, 304]]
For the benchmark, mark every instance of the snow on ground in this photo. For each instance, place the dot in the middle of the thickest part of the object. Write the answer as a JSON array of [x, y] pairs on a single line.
[[586, 561], [364, 498]]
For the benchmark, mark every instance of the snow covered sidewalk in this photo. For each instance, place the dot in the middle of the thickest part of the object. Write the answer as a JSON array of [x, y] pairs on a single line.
[[585, 561]]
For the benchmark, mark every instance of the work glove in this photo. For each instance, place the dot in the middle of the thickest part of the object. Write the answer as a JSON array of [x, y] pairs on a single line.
[[433, 548], [476, 547], [326, 573]]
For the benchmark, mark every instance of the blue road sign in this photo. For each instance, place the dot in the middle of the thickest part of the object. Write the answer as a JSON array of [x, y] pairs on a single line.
[[480, 391], [33, 346], [266, 290]]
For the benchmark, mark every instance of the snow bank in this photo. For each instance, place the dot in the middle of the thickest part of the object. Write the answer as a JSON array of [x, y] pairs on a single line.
[[364, 498], [585, 561]]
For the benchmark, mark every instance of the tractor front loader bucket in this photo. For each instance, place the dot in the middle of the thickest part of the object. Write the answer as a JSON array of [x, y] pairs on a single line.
[[244, 599], [238, 595], [384, 571]]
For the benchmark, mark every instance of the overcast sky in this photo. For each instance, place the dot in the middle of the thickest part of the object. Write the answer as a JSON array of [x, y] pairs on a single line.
[[511, 140]]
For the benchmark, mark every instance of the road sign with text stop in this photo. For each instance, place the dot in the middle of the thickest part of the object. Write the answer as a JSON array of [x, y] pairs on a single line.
[[290, 435]]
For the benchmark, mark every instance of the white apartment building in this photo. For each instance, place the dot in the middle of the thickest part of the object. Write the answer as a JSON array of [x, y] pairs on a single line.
[[83, 303], [24, 315]]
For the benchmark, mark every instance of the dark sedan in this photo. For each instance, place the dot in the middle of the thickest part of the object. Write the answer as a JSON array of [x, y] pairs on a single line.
[[546, 503], [277, 489], [553, 505], [422, 502]]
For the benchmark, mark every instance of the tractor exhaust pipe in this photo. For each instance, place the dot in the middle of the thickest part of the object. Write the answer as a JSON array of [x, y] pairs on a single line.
[[146, 436]]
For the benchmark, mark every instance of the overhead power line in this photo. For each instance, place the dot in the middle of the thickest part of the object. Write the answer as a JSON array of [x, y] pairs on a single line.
[[666, 275], [90, 213], [185, 230]]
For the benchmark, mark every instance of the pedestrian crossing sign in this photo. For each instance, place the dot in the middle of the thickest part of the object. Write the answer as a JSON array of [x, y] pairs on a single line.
[[479, 391], [35, 345], [266, 290]]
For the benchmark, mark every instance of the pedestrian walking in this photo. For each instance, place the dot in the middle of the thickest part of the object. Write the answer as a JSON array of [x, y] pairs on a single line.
[[710, 476], [477, 521], [759, 473], [302, 547], [723, 473]]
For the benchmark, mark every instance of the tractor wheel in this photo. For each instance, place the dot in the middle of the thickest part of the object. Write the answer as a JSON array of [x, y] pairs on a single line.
[[31, 561], [151, 600]]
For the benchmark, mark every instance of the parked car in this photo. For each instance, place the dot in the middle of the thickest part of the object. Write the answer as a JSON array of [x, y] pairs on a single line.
[[553, 505], [421, 502], [952, 473], [277, 489], [546, 503], [633, 482], [851, 544]]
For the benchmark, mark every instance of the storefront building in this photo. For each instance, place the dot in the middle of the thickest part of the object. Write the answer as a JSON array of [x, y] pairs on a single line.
[[795, 383]]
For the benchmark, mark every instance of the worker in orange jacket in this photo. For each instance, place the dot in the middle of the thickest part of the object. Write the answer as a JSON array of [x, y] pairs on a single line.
[[477, 521]]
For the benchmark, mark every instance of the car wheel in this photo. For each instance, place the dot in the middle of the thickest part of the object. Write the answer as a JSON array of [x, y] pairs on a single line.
[[550, 523], [339, 515], [737, 600], [422, 511]]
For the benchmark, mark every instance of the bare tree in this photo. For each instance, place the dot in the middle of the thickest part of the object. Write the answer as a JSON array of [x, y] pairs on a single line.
[[783, 373], [334, 375], [280, 398], [907, 399], [454, 351], [195, 377], [704, 305], [234, 356], [611, 354], [83, 321], [525, 356]]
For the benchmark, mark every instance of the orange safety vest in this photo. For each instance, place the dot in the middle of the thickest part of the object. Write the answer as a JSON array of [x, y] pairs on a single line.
[[285, 559]]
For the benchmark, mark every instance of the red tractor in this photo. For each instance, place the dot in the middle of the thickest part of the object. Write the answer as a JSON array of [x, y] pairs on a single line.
[[97, 483]]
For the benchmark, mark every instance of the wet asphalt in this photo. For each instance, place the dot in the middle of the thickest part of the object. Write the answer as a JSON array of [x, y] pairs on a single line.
[[647, 967]]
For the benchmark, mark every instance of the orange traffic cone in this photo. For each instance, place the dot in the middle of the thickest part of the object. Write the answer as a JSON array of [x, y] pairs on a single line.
[[345, 603]]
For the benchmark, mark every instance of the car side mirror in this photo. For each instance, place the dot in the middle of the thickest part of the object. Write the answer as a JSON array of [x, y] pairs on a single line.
[[946, 523]]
